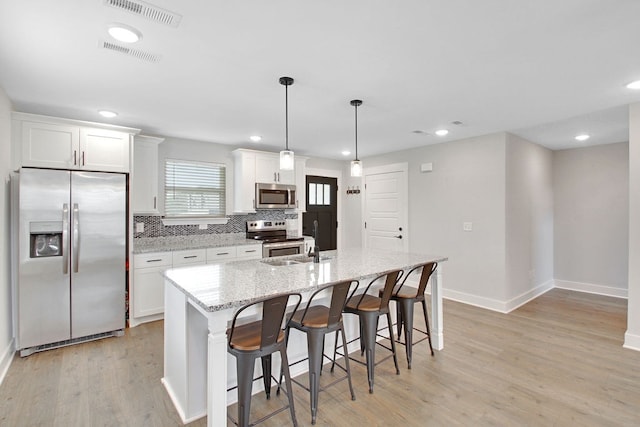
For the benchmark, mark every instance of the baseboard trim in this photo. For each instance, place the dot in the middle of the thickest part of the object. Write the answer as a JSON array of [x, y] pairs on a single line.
[[174, 399], [475, 300], [530, 295], [6, 359], [631, 341], [591, 288], [497, 305]]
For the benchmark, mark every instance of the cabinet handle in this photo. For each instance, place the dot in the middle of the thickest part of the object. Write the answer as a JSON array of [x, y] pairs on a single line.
[[190, 256], [154, 260], [254, 203], [75, 157], [155, 202], [278, 176], [252, 250], [222, 253], [275, 177], [83, 158]]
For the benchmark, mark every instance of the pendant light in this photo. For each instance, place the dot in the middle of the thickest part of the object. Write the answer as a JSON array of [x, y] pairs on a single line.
[[356, 164], [286, 155]]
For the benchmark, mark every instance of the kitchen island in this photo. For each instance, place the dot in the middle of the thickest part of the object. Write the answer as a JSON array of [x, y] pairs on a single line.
[[201, 300]]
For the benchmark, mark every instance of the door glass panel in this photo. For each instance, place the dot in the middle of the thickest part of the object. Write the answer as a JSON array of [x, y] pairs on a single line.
[[312, 194], [327, 194]]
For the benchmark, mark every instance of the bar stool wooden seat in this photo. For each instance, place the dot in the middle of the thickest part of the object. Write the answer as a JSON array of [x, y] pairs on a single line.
[[261, 338], [405, 298], [317, 320], [369, 308]]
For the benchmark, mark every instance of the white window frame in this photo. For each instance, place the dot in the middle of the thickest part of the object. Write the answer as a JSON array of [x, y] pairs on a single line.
[[195, 218]]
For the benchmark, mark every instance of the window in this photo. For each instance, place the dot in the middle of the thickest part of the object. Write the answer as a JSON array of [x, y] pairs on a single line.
[[319, 194], [194, 189]]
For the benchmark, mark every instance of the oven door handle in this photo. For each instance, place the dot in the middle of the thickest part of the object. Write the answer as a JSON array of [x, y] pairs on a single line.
[[284, 244]]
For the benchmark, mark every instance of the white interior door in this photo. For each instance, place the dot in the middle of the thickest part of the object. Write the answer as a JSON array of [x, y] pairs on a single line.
[[386, 194]]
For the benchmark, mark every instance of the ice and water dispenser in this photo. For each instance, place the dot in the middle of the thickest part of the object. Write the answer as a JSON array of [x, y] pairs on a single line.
[[45, 239]]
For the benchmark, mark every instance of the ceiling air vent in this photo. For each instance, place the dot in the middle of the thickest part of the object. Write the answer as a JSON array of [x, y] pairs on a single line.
[[147, 10], [136, 53]]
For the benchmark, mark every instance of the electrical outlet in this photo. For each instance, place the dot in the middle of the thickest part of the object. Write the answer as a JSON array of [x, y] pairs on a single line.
[[139, 227], [467, 226], [203, 226]]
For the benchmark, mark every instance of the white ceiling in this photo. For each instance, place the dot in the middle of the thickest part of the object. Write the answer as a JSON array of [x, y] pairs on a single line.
[[543, 69]]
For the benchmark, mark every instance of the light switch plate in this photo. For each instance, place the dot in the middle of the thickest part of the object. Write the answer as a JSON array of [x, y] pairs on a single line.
[[203, 226], [139, 227], [467, 226]]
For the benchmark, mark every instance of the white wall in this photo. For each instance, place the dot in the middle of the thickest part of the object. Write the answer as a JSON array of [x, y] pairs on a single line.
[[529, 221], [591, 199], [6, 323], [466, 185], [632, 336]]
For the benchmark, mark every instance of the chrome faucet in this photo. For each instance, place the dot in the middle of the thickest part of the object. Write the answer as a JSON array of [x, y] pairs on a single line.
[[316, 248]]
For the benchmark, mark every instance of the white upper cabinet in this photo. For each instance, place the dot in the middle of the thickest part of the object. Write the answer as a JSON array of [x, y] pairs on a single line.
[[68, 144], [301, 187], [268, 170], [50, 145], [104, 150], [244, 181], [144, 175]]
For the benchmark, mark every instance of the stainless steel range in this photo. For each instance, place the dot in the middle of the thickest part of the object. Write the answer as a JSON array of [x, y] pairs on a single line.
[[273, 235]]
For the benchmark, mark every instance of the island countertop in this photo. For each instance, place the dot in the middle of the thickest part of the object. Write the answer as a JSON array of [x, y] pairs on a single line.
[[220, 286]]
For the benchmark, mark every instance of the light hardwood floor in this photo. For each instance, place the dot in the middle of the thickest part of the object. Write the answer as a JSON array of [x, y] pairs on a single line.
[[557, 361]]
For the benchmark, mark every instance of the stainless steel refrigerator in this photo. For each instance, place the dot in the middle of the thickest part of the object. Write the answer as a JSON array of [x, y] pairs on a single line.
[[71, 257]]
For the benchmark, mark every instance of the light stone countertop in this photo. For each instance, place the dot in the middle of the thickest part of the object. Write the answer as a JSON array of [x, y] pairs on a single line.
[[220, 286], [179, 243]]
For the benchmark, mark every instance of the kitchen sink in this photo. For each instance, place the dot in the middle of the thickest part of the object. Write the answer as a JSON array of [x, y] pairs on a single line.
[[303, 259], [279, 262]]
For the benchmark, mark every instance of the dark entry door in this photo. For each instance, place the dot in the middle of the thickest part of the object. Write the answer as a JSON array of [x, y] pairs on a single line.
[[322, 205]]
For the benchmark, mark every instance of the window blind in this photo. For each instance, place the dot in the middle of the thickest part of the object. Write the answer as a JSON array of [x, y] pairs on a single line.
[[194, 188]]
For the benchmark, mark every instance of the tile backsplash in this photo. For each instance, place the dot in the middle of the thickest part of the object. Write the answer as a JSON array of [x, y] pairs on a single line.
[[153, 226]]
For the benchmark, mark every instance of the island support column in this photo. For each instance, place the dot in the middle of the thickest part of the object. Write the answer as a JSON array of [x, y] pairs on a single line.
[[437, 335], [217, 369]]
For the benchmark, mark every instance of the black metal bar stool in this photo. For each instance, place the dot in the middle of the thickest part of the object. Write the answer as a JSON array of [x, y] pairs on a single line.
[[405, 297], [317, 320], [369, 308], [261, 338]]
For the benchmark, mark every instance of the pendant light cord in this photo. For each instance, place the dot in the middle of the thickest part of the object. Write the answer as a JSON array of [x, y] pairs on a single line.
[[286, 116], [356, 131]]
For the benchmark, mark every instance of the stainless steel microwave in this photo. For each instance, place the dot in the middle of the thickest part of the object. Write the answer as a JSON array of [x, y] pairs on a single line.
[[275, 196]]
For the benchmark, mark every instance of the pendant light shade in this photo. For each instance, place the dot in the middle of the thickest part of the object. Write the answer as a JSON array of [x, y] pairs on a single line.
[[356, 164], [286, 156]]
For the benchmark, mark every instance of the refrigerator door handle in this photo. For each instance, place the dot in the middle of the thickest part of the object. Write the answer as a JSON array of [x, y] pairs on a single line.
[[76, 238], [65, 237]]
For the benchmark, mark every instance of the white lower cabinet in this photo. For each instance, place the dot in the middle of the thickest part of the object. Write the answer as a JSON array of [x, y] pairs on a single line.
[[221, 254], [147, 290], [249, 252], [147, 293], [189, 257]]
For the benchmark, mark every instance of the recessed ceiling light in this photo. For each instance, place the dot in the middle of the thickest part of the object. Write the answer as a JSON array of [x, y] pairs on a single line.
[[108, 114], [582, 137], [442, 132], [634, 85], [346, 152], [255, 138], [124, 33]]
